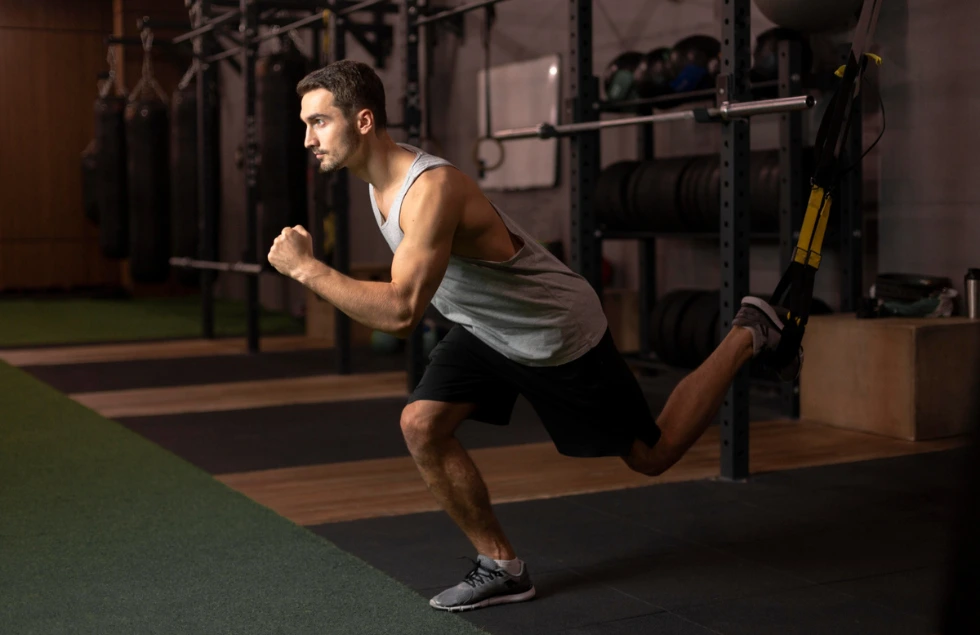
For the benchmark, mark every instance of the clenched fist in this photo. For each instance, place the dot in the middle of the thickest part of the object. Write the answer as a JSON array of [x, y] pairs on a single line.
[[292, 250]]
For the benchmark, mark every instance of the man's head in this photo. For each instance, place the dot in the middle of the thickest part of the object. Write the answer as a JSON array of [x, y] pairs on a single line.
[[342, 103]]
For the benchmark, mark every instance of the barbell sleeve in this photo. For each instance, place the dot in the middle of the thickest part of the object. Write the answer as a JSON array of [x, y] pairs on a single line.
[[767, 106]]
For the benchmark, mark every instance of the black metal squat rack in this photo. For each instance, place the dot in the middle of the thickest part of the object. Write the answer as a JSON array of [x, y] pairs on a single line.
[[584, 106], [238, 22], [734, 236], [216, 18]]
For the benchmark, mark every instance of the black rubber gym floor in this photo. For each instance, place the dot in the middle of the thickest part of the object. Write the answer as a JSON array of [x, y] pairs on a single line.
[[306, 434], [309, 434], [190, 371], [855, 548]]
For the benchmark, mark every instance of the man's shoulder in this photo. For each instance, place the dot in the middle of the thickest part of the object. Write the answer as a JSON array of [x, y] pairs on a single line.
[[443, 181], [438, 194], [442, 175]]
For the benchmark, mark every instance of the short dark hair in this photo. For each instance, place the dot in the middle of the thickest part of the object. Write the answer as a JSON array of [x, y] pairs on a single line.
[[354, 85]]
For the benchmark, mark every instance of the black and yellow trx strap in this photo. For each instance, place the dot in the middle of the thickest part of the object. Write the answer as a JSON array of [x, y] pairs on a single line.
[[795, 288]]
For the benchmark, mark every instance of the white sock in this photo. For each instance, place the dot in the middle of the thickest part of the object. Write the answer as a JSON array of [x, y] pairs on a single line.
[[513, 567]]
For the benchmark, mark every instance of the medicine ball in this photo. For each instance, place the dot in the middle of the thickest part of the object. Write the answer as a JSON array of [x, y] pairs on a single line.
[[617, 78], [696, 63], [654, 74], [809, 16], [765, 56]]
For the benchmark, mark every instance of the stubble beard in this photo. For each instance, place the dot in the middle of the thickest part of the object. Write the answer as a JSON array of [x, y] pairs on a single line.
[[351, 141]]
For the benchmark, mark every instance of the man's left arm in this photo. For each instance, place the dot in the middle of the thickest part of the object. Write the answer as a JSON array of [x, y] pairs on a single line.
[[429, 216]]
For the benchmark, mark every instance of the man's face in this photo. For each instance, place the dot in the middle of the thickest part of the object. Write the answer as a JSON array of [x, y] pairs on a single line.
[[331, 136]]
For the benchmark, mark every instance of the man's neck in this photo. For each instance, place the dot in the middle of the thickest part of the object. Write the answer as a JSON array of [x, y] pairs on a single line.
[[384, 165]]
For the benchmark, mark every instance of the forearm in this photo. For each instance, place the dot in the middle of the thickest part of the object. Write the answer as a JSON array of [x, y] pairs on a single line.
[[377, 305]]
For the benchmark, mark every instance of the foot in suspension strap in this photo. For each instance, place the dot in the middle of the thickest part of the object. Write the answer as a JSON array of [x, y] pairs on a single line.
[[776, 339]]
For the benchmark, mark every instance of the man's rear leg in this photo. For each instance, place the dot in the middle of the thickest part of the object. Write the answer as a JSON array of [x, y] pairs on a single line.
[[695, 402]]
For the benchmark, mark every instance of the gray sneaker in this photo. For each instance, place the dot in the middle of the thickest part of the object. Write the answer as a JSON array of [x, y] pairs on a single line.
[[487, 584], [766, 324]]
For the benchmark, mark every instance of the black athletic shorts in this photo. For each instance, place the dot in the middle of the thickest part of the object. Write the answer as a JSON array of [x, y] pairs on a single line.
[[592, 406]]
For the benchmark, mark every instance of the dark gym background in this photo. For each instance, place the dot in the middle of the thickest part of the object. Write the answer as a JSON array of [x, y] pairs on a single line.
[[917, 180], [919, 204]]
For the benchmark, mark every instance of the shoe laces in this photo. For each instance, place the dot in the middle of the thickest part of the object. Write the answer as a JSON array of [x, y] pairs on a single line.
[[480, 574]]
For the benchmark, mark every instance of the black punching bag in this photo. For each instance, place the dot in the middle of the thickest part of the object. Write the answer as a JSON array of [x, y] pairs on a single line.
[[148, 162], [90, 182], [111, 192]]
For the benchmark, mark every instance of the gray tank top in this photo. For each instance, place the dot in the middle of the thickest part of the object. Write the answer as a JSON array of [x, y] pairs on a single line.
[[531, 308]]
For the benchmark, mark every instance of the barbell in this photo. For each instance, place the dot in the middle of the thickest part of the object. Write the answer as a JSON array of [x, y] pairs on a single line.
[[725, 112], [237, 267]]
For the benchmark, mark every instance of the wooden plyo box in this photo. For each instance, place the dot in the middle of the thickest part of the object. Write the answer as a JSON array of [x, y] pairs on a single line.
[[907, 378]]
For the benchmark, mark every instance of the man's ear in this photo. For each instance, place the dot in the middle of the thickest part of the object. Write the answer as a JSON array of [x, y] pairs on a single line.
[[365, 121]]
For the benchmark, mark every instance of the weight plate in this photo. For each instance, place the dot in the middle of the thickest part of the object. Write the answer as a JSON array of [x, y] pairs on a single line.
[[657, 318], [679, 300], [689, 194], [706, 339], [685, 204], [611, 191], [669, 181], [709, 207], [712, 338], [647, 200], [635, 211], [694, 322], [714, 193]]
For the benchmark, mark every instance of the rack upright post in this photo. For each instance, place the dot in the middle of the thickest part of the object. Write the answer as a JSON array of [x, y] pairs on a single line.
[[791, 192], [735, 228], [581, 106]]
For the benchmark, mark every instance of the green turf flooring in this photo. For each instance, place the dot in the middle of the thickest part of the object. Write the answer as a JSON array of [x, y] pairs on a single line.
[[34, 322], [101, 531]]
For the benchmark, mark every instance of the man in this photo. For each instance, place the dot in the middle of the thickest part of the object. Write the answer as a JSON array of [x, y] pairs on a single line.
[[526, 324]]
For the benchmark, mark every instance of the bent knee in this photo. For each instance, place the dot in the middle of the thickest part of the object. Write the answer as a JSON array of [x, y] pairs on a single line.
[[417, 428], [424, 424]]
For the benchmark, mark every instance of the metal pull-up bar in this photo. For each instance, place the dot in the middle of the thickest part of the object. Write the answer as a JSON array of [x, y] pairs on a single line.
[[279, 31], [292, 26], [206, 28], [367, 4], [725, 112]]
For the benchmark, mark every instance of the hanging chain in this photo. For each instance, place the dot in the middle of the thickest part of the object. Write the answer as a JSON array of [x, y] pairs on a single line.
[[105, 87], [147, 81]]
